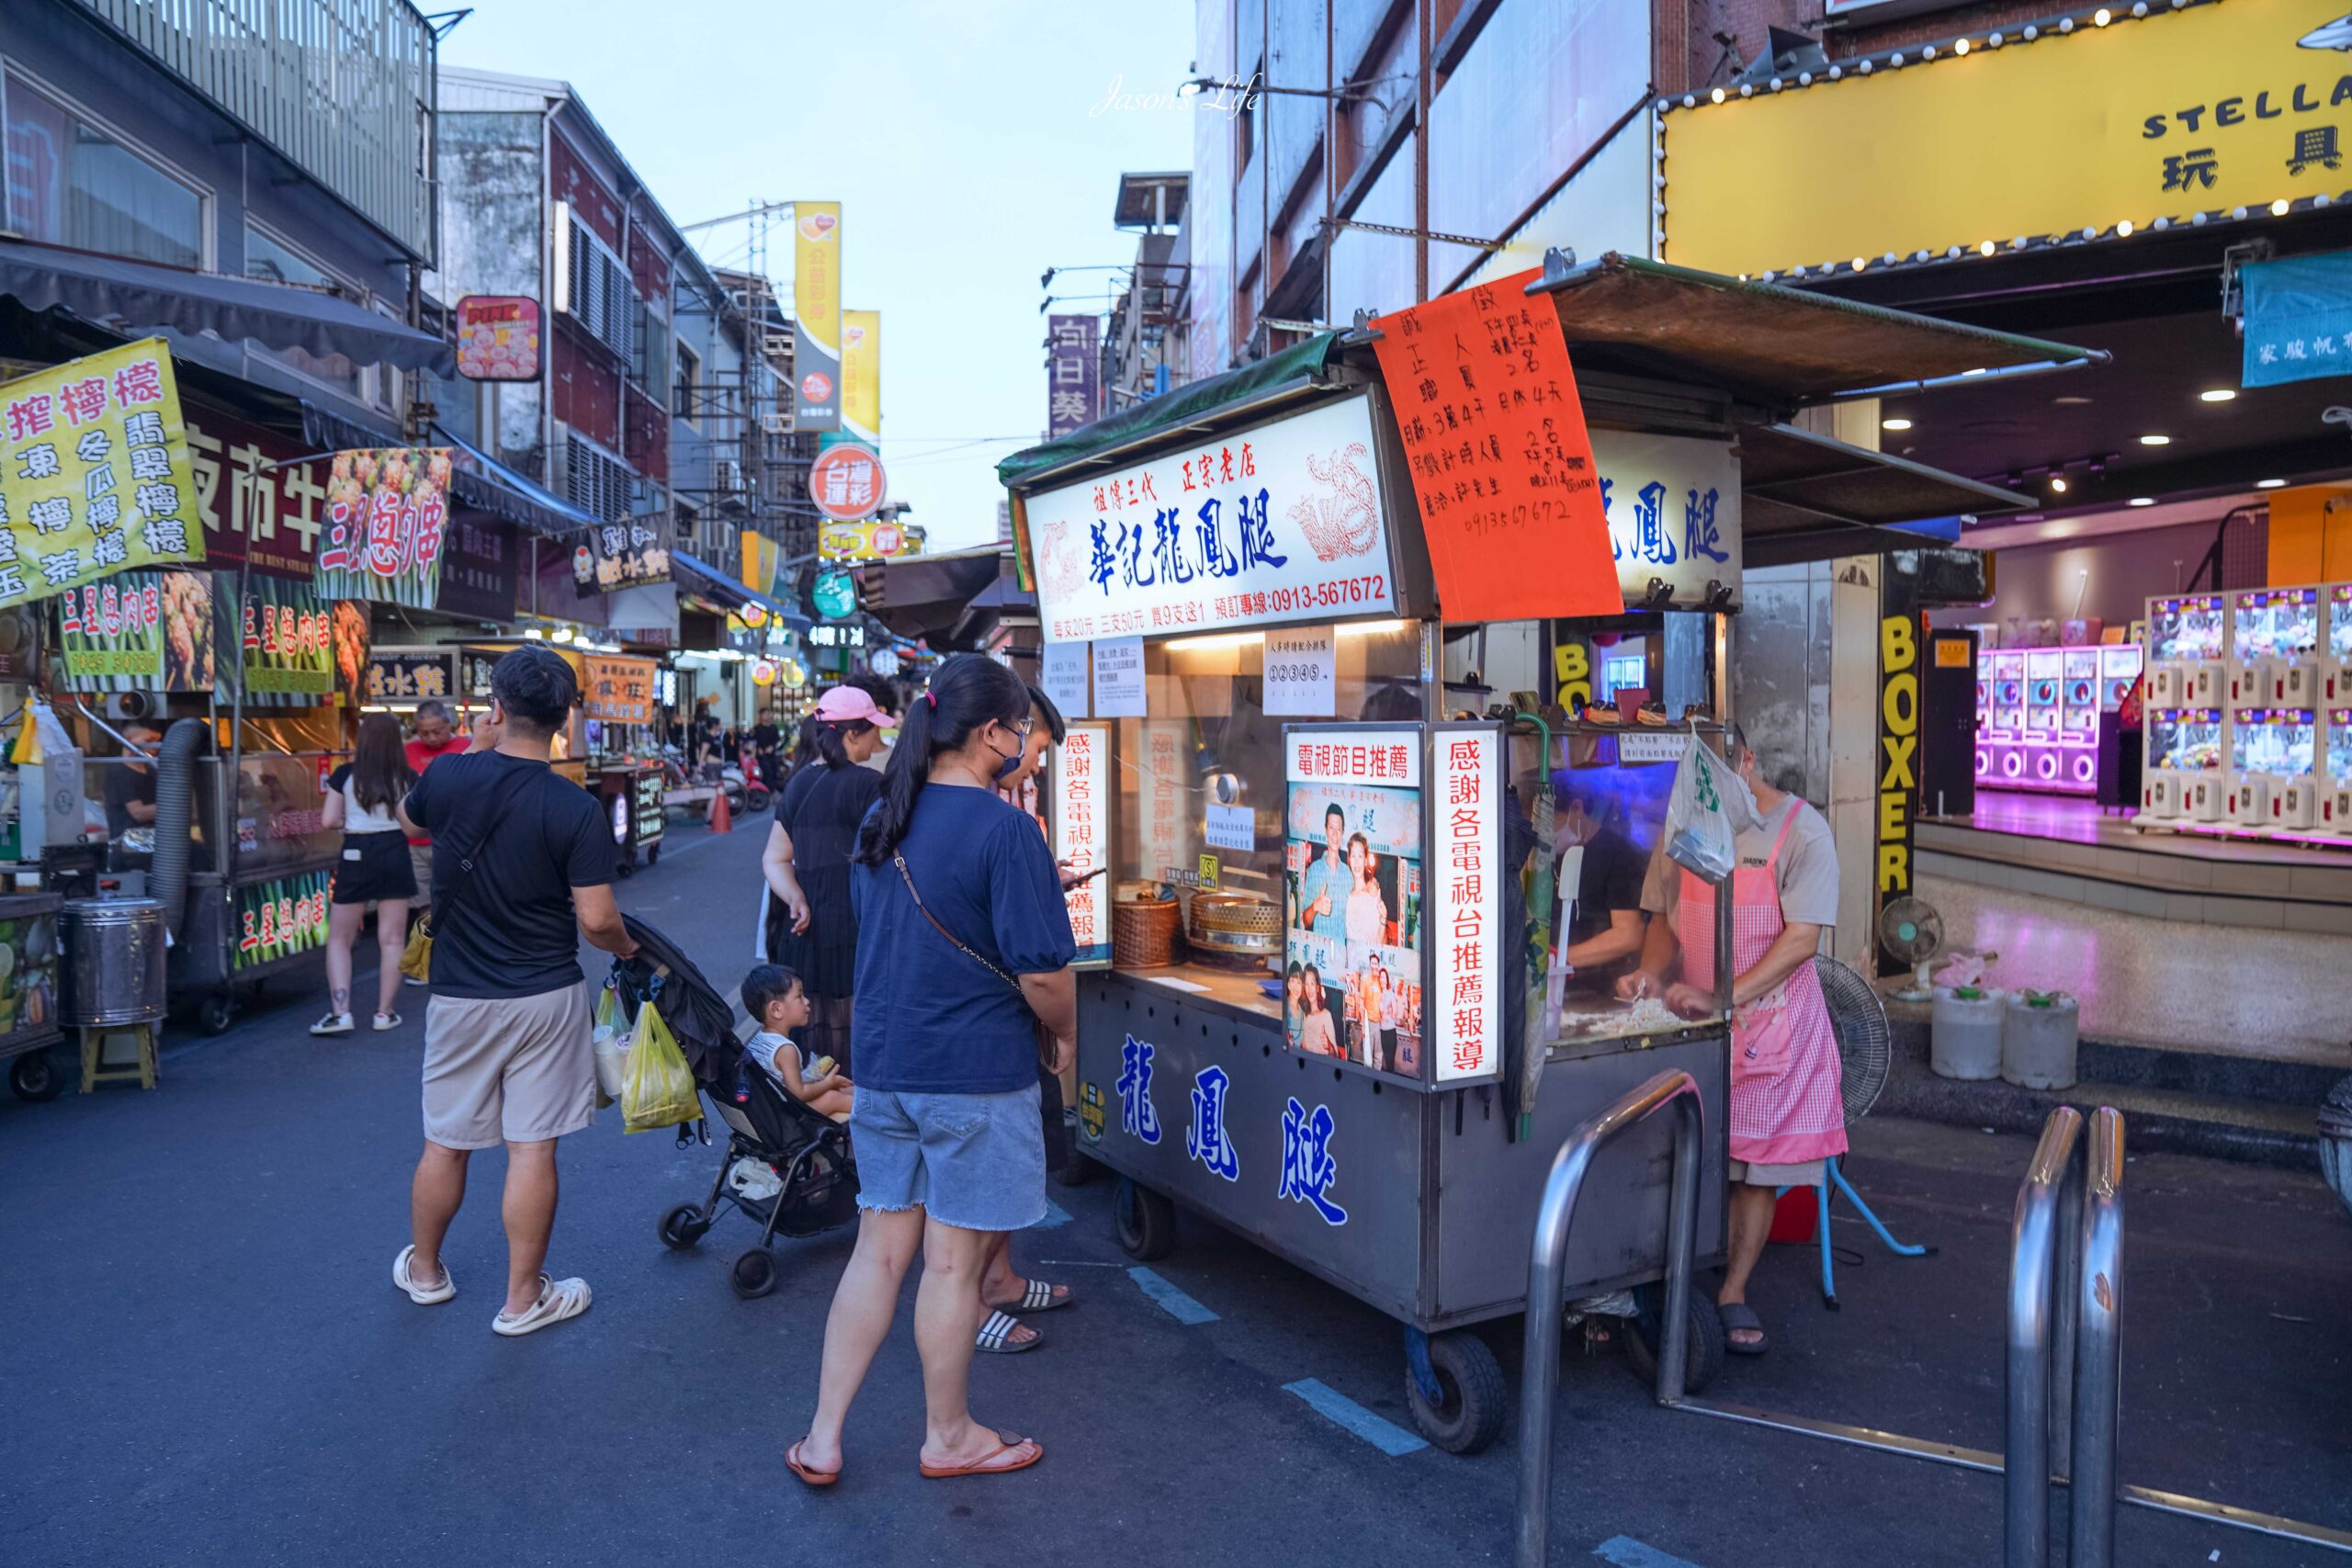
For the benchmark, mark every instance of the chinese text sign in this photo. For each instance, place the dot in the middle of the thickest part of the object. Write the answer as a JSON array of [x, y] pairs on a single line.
[[1280, 522], [1074, 373], [1501, 463], [388, 515], [1466, 928], [96, 475], [1082, 833]]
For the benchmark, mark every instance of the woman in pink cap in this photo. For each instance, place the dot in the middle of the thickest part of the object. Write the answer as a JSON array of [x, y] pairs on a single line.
[[809, 925]]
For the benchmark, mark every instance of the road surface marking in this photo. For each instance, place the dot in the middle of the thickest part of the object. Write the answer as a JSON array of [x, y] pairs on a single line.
[[1347, 1415], [1056, 1215], [1171, 1300], [1627, 1553]]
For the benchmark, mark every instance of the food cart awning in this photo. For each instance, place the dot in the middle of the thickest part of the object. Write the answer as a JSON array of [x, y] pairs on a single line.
[[144, 295], [1775, 345], [1171, 410], [1806, 497], [940, 598], [696, 577], [481, 481]]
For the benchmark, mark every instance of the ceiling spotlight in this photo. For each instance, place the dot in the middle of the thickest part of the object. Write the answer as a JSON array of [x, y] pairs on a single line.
[[2279, 207], [2057, 484], [2269, 484], [2143, 500], [2218, 395], [2155, 441], [1895, 424]]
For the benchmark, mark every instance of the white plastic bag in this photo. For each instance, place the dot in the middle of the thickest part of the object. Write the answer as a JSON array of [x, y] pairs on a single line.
[[1706, 813], [611, 1042]]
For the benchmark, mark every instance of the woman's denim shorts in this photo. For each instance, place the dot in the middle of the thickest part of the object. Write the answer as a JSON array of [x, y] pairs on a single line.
[[974, 1161]]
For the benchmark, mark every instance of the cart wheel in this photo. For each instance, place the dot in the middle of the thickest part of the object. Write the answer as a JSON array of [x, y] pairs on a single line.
[[1080, 1171], [1704, 1357], [37, 1076], [216, 1012], [753, 1274], [1147, 1221], [653, 855], [625, 867], [683, 1227], [1467, 1414]]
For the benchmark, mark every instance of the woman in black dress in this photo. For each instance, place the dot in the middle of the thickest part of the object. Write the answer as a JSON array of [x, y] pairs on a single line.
[[809, 925]]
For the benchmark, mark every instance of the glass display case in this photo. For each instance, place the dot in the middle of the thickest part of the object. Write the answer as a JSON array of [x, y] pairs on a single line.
[[2274, 741], [2277, 623], [2185, 740], [2193, 627]]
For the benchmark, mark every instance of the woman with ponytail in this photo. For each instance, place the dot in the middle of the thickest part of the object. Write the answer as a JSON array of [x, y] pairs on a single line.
[[964, 947], [808, 923]]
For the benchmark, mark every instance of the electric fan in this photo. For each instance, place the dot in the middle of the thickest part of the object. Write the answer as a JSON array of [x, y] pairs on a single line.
[[1913, 933]]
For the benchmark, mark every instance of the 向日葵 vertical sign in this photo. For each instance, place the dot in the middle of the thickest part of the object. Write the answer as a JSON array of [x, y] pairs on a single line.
[[1074, 373], [94, 475], [1082, 834], [817, 315], [1502, 467], [1466, 1040]]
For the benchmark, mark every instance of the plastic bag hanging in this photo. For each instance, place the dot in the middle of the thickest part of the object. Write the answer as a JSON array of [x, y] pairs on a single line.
[[1709, 809], [657, 1089]]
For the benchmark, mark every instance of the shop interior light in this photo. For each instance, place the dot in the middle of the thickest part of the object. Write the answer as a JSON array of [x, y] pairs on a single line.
[[1215, 639], [535, 634], [2270, 484], [2155, 441], [2057, 484], [2142, 500], [1371, 628], [563, 634], [1895, 424], [2218, 395]]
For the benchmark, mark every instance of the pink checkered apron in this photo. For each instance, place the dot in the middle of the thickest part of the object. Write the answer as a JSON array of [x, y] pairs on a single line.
[[1785, 1108]]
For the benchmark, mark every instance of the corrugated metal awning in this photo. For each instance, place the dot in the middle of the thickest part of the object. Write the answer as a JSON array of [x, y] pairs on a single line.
[[1805, 497]]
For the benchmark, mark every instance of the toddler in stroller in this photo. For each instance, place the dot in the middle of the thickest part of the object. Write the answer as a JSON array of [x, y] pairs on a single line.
[[787, 1166], [778, 1004]]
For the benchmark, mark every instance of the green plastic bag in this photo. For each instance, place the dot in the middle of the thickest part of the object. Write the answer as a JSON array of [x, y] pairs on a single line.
[[658, 1090]]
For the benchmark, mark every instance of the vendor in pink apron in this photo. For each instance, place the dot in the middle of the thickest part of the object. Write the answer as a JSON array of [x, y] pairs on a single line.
[[1786, 1117]]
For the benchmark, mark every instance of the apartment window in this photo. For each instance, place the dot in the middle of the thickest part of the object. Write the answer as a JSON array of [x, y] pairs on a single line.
[[593, 479], [598, 293], [267, 258], [71, 184], [689, 383]]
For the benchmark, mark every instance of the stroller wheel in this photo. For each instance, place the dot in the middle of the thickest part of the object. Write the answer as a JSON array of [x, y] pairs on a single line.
[[753, 1274], [683, 1227]]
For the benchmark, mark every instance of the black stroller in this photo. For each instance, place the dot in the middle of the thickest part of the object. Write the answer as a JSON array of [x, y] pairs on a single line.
[[786, 1168]]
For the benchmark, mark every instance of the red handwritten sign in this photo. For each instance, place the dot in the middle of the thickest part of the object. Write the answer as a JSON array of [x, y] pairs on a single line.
[[1502, 462]]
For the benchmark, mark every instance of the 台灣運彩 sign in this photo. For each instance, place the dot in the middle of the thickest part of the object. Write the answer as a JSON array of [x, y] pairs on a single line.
[[93, 475]]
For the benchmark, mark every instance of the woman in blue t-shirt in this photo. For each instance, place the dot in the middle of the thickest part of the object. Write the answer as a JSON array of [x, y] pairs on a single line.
[[963, 950]]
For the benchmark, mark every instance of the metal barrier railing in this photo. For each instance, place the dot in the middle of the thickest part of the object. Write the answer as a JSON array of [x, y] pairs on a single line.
[[2065, 1340], [1546, 1289]]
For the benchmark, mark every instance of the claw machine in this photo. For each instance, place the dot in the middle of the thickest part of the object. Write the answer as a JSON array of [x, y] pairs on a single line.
[[2335, 787], [1319, 1013], [2335, 669]]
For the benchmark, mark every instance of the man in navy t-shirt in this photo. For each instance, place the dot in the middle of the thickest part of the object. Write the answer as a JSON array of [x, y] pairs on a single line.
[[522, 869]]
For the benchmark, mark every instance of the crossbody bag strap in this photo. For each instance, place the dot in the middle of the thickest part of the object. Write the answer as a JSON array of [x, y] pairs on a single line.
[[908, 877], [465, 876]]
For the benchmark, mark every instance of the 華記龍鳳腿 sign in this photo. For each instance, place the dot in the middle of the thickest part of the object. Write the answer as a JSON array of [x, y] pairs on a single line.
[[1273, 522]]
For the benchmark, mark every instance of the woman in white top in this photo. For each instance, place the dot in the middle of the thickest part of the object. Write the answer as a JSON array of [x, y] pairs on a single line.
[[1367, 911], [363, 799]]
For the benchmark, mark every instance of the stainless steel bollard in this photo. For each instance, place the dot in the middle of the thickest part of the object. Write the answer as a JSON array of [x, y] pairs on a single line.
[[2098, 1366], [2035, 1280]]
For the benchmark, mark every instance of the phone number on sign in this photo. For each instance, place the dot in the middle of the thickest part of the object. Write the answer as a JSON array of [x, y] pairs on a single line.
[[1330, 595]]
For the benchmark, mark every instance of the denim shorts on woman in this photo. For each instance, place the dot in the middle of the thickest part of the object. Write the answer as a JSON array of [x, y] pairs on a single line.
[[974, 1161]]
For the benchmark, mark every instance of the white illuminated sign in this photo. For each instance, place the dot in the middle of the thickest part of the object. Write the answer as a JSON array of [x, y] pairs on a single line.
[[1466, 1040], [1275, 523], [1082, 833]]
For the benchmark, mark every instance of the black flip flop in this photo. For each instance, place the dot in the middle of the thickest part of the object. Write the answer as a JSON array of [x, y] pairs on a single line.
[[1739, 1315]]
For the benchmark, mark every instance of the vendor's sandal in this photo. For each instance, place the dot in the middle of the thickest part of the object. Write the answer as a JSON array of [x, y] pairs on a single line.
[[423, 1295], [1739, 1317], [1003, 1460], [558, 1298], [1036, 1296], [996, 1337], [812, 1477]]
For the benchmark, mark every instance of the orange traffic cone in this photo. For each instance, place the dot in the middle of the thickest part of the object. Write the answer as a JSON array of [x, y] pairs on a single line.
[[722, 819]]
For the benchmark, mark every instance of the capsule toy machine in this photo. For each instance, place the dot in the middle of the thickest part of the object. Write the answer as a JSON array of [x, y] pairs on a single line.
[[2079, 698], [1984, 658], [2335, 669], [2120, 665], [2188, 650], [2044, 715], [2335, 791], [2005, 740]]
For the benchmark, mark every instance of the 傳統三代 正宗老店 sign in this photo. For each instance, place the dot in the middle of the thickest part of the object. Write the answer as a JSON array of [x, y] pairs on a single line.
[[1502, 467], [1271, 523]]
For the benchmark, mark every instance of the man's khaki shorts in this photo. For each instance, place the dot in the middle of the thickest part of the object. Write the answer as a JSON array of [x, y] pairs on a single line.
[[510, 1069]]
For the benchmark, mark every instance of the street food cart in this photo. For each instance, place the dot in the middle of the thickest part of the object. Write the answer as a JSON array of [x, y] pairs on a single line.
[[615, 734], [1323, 1006]]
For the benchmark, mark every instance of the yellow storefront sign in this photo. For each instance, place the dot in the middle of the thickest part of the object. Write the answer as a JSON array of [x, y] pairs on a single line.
[[862, 376], [2228, 105]]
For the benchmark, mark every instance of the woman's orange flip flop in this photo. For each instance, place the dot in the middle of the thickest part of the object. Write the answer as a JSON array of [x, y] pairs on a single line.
[[1003, 1460], [812, 1477]]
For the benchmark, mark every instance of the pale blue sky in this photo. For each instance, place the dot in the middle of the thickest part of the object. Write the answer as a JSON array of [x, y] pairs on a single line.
[[955, 134]]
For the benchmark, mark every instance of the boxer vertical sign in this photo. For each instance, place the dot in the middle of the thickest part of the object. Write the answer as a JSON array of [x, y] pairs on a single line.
[[1256, 526]]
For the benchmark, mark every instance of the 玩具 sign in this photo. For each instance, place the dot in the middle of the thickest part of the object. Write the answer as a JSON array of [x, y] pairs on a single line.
[[1275, 523]]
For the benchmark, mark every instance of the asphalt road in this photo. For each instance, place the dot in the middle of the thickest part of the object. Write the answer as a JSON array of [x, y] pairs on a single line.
[[211, 1364]]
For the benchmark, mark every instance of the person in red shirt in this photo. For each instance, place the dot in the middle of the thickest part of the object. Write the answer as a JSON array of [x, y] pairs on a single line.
[[436, 737]]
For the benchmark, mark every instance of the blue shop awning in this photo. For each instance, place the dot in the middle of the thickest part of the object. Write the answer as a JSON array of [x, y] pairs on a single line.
[[481, 481], [715, 584], [2298, 319], [144, 297]]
